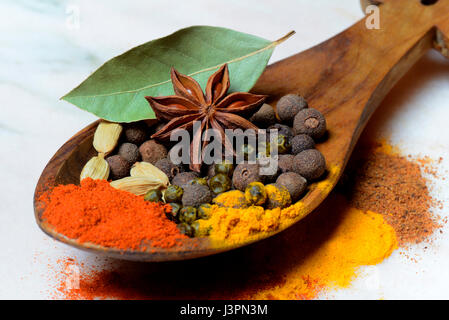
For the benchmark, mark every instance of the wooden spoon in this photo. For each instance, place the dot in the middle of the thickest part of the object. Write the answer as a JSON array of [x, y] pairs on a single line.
[[345, 77]]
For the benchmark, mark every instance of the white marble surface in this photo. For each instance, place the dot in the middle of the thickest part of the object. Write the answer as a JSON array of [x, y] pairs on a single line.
[[45, 50]]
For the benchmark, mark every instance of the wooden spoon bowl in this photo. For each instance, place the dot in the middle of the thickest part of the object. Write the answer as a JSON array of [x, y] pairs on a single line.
[[345, 77]]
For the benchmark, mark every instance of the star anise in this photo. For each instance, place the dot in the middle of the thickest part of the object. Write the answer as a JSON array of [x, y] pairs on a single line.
[[214, 110]]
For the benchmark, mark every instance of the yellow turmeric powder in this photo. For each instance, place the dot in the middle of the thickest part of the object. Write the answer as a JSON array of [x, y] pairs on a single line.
[[231, 220], [360, 238]]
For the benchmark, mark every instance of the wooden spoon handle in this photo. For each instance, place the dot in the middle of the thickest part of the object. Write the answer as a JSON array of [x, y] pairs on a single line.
[[347, 76]]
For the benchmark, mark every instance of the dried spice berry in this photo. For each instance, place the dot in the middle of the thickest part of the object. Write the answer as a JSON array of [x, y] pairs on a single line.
[[186, 229], [220, 183], [310, 164], [255, 194], [119, 167], [282, 129], [244, 174], [168, 167], [264, 117], [188, 214], [310, 121], [173, 193], [154, 195], [195, 195], [295, 184], [173, 215], [151, 151], [182, 179], [288, 106], [201, 181], [302, 142], [225, 167], [283, 144], [203, 211], [129, 152], [277, 196], [136, 133], [285, 162]]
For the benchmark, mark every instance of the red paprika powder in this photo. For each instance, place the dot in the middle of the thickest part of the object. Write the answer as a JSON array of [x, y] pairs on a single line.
[[96, 212]]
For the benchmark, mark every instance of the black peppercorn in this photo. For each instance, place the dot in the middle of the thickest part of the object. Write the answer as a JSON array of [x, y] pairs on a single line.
[[302, 142], [168, 167], [136, 133], [311, 122], [310, 164], [294, 183], [119, 167], [285, 162], [288, 106], [244, 174], [264, 117]]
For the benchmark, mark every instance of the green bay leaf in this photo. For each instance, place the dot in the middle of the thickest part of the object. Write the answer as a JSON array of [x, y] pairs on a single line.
[[116, 90]]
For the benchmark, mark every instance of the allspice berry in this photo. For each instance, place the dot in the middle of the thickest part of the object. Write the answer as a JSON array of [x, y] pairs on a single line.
[[285, 162], [311, 122], [295, 184], [264, 117], [244, 174], [195, 195], [119, 167], [136, 132], [151, 151], [302, 142], [182, 179], [288, 106], [168, 167], [310, 164], [129, 152]]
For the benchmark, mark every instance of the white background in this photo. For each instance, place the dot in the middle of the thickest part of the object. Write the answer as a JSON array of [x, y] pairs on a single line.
[[45, 50]]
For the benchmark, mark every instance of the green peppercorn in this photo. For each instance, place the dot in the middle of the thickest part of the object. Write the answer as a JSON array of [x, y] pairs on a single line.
[[153, 195], [201, 181], [224, 167], [174, 214], [187, 214], [173, 194], [255, 193], [220, 183], [248, 152], [283, 144], [196, 228], [203, 211], [186, 229]]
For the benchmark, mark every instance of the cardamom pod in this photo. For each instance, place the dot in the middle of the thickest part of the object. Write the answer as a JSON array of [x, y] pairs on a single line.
[[95, 168], [146, 169], [137, 185], [106, 136]]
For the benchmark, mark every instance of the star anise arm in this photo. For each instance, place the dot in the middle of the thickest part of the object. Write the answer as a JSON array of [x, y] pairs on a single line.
[[240, 102], [167, 108], [184, 122], [187, 87], [230, 120], [229, 149], [195, 145], [217, 85]]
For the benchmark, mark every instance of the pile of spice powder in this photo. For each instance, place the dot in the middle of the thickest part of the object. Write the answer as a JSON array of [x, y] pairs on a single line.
[[304, 261], [392, 185], [97, 213]]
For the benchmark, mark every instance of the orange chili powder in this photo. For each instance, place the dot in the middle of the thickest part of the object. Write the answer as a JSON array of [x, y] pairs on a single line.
[[97, 213]]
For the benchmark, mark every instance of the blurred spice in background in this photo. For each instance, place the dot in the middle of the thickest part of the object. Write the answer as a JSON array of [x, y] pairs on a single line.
[[383, 201]]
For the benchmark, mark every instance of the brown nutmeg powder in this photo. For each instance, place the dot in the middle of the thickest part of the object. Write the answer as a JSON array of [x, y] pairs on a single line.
[[384, 181]]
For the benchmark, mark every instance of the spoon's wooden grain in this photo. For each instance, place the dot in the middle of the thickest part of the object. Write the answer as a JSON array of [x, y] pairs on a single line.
[[345, 77]]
